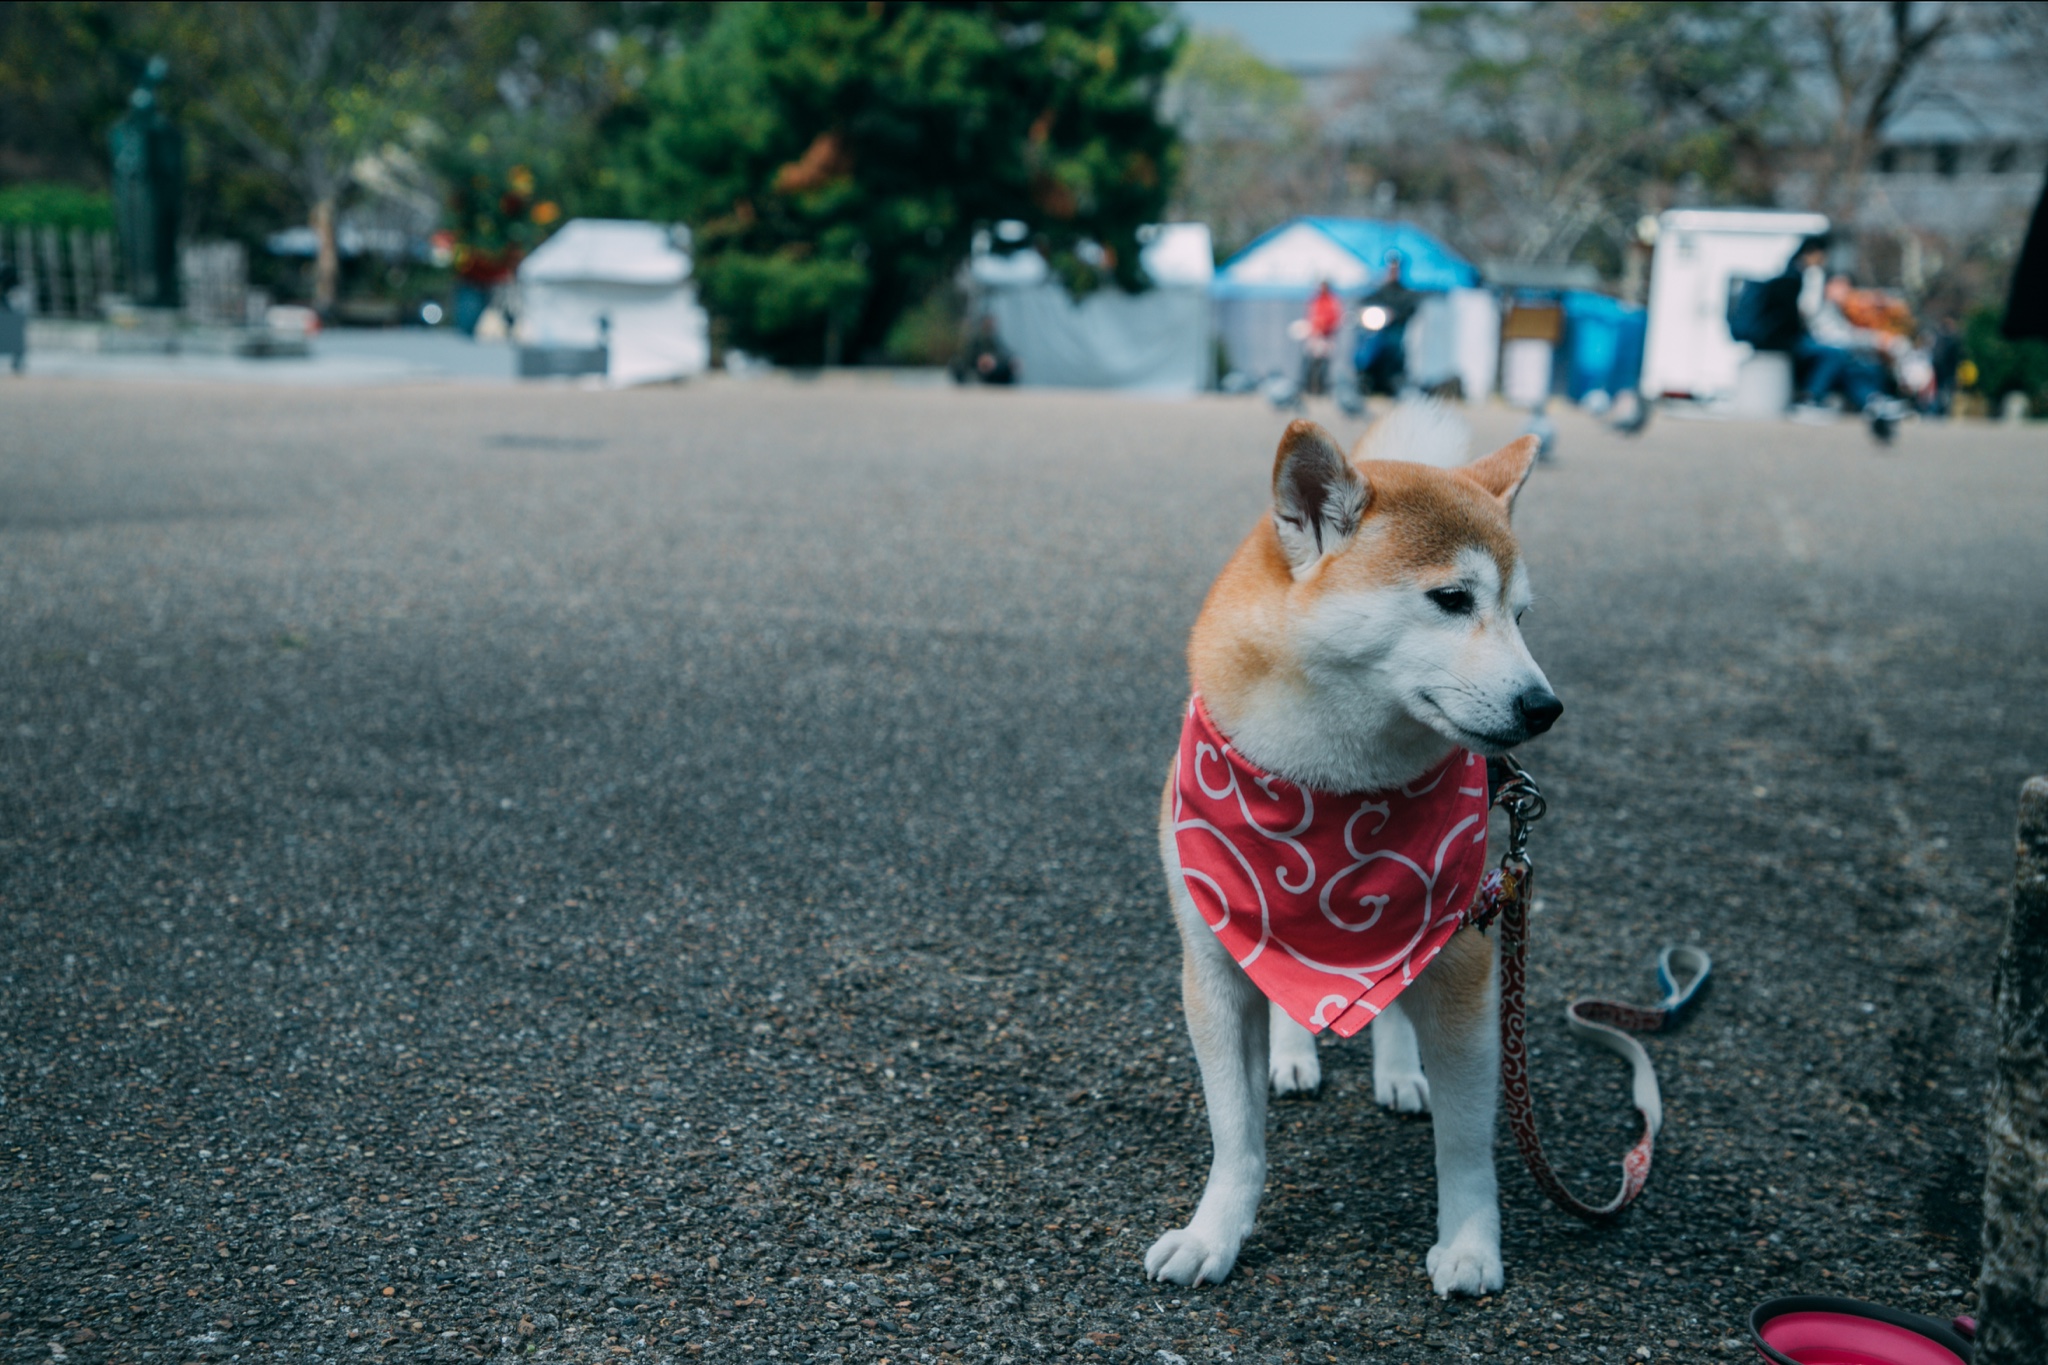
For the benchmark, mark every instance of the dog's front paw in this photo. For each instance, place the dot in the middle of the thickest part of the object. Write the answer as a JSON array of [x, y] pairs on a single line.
[[1185, 1256], [1405, 1092], [1299, 1073], [1470, 1265]]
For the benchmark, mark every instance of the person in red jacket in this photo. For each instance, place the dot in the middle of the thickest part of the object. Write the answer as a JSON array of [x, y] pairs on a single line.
[[1319, 338]]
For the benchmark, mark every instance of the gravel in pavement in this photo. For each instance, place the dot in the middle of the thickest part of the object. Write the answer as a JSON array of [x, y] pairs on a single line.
[[669, 876]]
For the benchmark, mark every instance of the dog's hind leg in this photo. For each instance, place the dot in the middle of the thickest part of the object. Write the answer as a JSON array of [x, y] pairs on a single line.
[[1455, 1008], [1292, 1059], [1397, 1079], [1227, 1020]]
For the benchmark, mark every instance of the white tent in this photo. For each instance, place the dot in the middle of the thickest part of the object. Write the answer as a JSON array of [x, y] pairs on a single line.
[[1456, 335], [1701, 255], [622, 286], [1154, 342]]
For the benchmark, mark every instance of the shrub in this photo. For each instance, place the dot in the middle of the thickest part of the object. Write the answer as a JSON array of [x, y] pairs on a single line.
[[64, 206], [2004, 366], [930, 332]]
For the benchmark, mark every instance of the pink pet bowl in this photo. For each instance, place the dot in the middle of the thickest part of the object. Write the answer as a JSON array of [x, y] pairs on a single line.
[[1809, 1329]]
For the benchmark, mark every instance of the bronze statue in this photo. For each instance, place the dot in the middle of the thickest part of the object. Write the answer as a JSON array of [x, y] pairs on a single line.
[[149, 187]]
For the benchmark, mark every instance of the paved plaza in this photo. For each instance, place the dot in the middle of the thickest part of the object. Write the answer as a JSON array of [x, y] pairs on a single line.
[[669, 875]]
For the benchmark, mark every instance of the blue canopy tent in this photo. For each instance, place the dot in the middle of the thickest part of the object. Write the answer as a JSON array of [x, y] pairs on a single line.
[[1266, 286]]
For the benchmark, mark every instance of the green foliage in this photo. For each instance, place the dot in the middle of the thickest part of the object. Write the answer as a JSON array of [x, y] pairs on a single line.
[[287, 108], [928, 333], [2004, 366], [305, 90], [835, 159], [549, 87], [498, 210], [65, 74], [1228, 72], [64, 206], [783, 292]]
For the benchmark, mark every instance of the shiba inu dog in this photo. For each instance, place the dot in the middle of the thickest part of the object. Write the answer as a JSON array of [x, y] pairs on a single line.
[[1354, 662]]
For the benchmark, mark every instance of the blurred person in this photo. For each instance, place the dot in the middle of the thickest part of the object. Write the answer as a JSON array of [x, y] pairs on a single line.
[[986, 359], [1895, 334], [1872, 309], [1318, 333], [1778, 314], [1829, 325], [1766, 313], [1874, 330], [1944, 345], [1381, 358]]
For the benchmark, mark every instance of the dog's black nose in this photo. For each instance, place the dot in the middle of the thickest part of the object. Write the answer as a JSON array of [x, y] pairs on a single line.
[[1539, 709]]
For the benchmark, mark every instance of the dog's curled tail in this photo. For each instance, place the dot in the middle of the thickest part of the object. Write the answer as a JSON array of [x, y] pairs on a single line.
[[1418, 431]]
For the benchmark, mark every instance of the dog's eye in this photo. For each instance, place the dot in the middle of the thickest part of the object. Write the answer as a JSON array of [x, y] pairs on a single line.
[[1456, 601]]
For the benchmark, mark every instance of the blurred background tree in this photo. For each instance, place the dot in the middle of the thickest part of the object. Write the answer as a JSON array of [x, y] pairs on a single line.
[[1254, 152], [497, 213], [65, 74], [297, 113], [307, 90], [1522, 132], [1865, 53], [1566, 122], [835, 160], [545, 85]]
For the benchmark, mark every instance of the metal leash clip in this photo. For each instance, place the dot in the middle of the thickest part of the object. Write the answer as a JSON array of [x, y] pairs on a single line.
[[1515, 792]]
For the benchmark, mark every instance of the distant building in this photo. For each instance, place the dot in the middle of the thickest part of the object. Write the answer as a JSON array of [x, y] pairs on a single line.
[[1959, 165]]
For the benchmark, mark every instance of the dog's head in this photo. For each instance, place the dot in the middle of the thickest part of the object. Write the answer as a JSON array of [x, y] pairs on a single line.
[[1408, 588]]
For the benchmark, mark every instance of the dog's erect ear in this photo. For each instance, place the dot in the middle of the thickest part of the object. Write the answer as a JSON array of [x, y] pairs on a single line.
[[1503, 472], [1318, 495]]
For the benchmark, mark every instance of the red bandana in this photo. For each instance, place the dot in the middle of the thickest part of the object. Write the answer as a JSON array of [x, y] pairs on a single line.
[[1331, 903]]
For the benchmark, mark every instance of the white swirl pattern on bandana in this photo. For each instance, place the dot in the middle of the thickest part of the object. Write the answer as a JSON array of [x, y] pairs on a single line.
[[1251, 845]]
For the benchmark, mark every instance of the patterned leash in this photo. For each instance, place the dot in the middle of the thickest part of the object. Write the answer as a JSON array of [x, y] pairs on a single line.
[[1506, 892]]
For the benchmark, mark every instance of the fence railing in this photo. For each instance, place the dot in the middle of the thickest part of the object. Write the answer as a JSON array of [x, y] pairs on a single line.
[[65, 272], [74, 273]]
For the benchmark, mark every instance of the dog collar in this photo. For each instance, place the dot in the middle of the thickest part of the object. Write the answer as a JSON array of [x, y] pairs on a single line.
[[1331, 902]]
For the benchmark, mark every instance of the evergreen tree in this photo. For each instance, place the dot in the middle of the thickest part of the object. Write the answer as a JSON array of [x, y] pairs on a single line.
[[835, 160]]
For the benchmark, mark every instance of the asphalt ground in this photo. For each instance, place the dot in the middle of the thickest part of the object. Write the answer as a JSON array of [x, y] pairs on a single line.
[[670, 875]]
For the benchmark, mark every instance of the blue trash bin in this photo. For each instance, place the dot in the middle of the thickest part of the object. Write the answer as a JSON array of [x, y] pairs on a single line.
[[470, 302], [1603, 344]]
